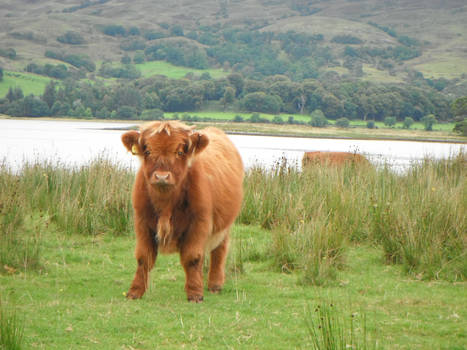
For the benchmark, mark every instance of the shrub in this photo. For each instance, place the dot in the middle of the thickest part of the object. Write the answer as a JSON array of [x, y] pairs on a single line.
[[238, 119], [318, 119], [408, 122], [152, 114], [342, 123], [277, 120], [370, 124], [428, 121], [72, 38], [390, 121], [126, 112], [461, 127]]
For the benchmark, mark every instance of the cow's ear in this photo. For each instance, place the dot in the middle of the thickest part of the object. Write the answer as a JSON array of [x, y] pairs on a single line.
[[198, 142], [130, 140]]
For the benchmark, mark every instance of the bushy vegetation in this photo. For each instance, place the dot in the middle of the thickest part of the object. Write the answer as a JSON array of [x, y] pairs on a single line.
[[90, 200], [321, 210]]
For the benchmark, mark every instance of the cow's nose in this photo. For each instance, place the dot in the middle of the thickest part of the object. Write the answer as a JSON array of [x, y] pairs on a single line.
[[162, 177]]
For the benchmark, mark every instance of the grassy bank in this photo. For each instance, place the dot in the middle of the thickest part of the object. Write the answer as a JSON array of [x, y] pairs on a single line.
[[380, 256]]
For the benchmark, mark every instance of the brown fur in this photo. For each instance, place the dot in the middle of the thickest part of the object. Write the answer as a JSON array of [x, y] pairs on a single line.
[[187, 194], [333, 158]]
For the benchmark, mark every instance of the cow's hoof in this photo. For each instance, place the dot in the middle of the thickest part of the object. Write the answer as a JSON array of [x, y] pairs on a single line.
[[195, 299], [215, 289], [134, 294]]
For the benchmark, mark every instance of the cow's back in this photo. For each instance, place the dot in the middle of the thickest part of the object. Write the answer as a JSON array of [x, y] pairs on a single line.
[[333, 158]]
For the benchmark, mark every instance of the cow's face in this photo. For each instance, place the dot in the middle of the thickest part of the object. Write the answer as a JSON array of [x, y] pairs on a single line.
[[167, 150]]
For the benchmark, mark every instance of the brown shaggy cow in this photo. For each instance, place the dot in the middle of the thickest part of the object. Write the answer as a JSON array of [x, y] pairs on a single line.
[[188, 192], [333, 158]]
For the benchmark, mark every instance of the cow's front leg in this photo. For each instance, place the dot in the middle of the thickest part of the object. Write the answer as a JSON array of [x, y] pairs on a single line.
[[192, 261], [145, 253]]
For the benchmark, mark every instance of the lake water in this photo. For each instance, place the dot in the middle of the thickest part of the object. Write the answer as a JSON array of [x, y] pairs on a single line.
[[77, 142]]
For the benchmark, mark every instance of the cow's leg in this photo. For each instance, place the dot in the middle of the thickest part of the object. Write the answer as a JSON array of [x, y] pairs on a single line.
[[145, 253], [192, 260], [216, 275]]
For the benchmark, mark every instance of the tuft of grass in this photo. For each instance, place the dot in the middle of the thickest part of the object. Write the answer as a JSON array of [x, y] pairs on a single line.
[[11, 329], [330, 329], [419, 219], [20, 243]]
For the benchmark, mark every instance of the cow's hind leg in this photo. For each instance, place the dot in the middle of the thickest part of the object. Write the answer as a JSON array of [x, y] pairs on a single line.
[[145, 253], [216, 275]]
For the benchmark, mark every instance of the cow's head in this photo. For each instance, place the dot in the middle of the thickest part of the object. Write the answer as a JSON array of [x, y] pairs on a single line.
[[167, 150]]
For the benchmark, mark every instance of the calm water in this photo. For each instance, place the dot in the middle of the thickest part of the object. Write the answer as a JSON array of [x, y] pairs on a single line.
[[75, 143]]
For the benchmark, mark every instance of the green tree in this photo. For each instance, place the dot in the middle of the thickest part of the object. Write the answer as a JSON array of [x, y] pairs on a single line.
[[229, 96], [428, 121], [138, 57], [390, 121], [125, 59], [461, 127], [236, 80], [14, 94], [370, 124], [318, 119], [49, 95], [342, 123], [72, 38], [408, 121], [60, 108], [261, 102], [459, 108], [35, 107], [1, 73], [176, 30]]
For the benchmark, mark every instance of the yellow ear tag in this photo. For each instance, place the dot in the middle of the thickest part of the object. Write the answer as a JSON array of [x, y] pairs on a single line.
[[134, 149]]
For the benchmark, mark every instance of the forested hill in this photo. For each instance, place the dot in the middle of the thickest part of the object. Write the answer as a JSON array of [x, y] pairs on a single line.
[[317, 54]]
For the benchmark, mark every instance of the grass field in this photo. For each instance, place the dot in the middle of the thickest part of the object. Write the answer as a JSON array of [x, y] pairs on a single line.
[[163, 68], [382, 254], [28, 82]]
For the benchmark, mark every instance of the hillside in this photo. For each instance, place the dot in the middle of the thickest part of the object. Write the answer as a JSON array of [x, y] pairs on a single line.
[[363, 60], [32, 27]]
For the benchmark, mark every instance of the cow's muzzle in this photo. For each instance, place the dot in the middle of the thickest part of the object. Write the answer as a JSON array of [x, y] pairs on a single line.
[[162, 178]]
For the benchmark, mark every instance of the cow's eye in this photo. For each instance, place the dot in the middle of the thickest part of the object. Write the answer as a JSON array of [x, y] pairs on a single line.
[[180, 153], [147, 153]]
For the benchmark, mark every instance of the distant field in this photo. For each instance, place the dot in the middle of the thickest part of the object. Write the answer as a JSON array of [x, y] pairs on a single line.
[[374, 74], [443, 67], [29, 83], [161, 67]]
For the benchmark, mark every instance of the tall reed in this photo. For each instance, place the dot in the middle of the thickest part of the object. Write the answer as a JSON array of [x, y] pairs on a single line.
[[418, 217], [11, 329], [331, 329], [91, 199], [19, 242]]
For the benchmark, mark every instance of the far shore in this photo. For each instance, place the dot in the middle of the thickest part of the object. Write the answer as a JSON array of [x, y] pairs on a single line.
[[287, 130]]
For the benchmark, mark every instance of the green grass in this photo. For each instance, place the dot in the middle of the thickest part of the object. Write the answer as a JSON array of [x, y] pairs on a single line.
[[77, 301], [175, 72], [325, 242], [28, 82], [11, 328]]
